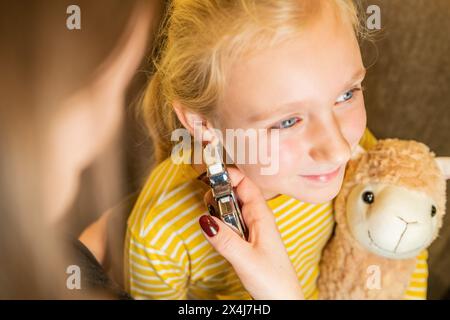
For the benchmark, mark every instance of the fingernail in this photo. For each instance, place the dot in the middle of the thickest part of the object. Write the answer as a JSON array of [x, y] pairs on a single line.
[[208, 225], [211, 210]]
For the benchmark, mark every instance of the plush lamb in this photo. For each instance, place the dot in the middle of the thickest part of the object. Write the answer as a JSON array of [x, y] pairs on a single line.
[[389, 209]]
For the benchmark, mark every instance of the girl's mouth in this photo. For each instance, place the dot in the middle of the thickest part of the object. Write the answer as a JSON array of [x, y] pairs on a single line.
[[323, 178]]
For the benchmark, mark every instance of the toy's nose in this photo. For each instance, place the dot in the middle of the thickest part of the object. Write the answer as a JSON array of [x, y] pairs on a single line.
[[400, 219], [407, 225], [408, 222], [408, 206]]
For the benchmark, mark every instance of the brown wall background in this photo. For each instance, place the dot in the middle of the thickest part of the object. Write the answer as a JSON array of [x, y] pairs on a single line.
[[407, 96]]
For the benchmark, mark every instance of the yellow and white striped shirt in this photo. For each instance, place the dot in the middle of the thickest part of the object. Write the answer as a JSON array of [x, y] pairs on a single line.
[[168, 257]]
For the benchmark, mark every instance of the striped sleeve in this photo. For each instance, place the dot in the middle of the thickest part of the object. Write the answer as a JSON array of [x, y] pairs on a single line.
[[155, 273], [417, 289]]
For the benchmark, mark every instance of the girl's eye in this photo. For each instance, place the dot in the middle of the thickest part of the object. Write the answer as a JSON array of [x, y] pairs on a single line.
[[286, 123], [347, 96]]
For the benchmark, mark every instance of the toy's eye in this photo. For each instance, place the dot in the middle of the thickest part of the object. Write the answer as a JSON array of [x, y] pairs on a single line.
[[433, 211], [368, 197]]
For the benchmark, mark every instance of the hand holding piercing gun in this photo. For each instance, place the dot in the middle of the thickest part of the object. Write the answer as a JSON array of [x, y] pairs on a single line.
[[222, 191]]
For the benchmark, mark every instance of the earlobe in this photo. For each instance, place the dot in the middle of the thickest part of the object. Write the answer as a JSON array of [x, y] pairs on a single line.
[[444, 164]]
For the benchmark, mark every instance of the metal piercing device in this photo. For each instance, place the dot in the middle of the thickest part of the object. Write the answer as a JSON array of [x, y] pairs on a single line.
[[222, 190]]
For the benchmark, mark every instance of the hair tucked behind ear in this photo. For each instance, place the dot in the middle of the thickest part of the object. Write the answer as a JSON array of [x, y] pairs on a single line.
[[197, 41]]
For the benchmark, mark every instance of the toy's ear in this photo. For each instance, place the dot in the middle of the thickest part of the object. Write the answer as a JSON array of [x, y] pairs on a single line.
[[444, 165], [358, 150]]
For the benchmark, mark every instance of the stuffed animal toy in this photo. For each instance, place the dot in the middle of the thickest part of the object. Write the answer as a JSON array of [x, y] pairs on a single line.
[[389, 209]]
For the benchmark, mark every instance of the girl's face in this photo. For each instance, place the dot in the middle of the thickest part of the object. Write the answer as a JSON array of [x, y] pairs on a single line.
[[310, 89]]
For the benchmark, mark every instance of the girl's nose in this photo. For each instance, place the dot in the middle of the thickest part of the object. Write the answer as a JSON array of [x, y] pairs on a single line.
[[329, 145]]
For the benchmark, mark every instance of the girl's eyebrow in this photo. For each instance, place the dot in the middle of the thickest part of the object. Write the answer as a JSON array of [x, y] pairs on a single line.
[[358, 75]]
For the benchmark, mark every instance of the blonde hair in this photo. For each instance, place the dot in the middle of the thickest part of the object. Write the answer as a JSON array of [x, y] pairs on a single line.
[[199, 38]]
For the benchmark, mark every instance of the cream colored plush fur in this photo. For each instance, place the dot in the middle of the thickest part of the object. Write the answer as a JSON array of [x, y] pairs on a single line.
[[347, 264]]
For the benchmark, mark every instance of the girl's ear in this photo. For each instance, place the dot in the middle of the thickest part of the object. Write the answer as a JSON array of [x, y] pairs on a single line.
[[444, 164], [193, 122]]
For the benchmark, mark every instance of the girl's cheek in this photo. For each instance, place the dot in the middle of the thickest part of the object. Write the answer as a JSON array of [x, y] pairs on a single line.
[[284, 160], [353, 123], [290, 155]]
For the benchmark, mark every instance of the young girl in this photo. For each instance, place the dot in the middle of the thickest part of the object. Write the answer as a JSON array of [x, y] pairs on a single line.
[[290, 66]]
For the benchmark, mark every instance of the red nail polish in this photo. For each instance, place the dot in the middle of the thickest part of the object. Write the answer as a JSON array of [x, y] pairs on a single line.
[[208, 225]]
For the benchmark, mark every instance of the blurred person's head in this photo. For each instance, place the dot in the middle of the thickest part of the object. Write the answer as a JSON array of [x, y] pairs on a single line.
[[294, 66], [63, 96]]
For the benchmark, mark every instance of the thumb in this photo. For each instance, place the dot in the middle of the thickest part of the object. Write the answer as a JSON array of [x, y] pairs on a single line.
[[226, 242]]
